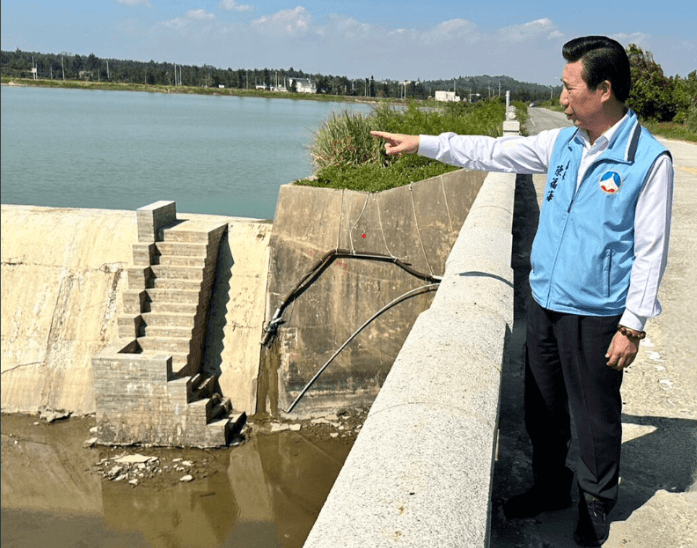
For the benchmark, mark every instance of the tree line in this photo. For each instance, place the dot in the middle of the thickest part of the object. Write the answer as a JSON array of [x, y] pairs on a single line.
[[68, 66], [654, 96]]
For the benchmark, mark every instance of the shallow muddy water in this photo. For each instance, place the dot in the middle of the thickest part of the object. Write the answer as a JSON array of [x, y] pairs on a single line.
[[266, 492]]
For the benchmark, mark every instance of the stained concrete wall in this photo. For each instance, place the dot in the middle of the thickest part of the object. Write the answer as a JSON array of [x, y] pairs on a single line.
[[63, 276], [420, 471], [417, 223]]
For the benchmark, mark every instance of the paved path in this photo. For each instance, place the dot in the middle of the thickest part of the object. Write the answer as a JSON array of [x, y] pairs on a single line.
[[658, 491]]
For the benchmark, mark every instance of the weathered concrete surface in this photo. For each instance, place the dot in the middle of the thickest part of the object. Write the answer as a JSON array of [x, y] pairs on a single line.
[[659, 392], [63, 276], [62, 279], [417, 224], [237, 310], [419, 473]]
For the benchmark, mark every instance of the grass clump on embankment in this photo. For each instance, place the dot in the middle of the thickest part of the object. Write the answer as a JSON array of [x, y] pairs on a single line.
[[345, 155]]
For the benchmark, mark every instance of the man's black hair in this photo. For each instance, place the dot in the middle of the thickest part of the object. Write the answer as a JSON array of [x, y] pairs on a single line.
[[603, 59]]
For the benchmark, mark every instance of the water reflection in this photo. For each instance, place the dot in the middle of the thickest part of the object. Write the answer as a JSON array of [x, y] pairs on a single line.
[[265, 493]]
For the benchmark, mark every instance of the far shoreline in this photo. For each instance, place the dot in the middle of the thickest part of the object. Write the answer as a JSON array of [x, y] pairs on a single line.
[[191, 90]]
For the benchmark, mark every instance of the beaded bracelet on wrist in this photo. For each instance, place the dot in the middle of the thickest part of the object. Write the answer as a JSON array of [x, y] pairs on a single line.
[[631, 333]]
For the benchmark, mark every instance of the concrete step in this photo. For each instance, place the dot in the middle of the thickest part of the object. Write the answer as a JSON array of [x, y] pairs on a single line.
[[173, 295], [179, 272], [180, 249], [134, 300], [174, 308], [220, 409], [168, 319], [183, 260], [203, 387], [180, 364], [225, 428], [184, 236], [199, 411], [174, 283], [180, 390], [165, 345], [191, 231], [170, 331]]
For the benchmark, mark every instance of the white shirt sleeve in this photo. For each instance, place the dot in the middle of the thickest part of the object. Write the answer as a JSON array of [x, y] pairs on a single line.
[[511, 154], [651, 235]]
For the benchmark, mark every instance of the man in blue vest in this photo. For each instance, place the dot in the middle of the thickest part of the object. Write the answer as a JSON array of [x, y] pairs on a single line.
[[597, 262]]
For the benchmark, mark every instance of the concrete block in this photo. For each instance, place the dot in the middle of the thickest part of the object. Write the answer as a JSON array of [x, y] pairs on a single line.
[[180, 272], [152, 319], [511, 127], [143, 254], [138, 277], [151, 217], [173, 295], [134, 301], [129, 325], [182, 249]]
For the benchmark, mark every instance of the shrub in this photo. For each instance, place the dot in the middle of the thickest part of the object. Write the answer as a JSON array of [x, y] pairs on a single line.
[[347, 156]]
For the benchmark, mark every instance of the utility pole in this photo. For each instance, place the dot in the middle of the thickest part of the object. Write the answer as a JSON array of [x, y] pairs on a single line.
[[63, 69], [107, 69]]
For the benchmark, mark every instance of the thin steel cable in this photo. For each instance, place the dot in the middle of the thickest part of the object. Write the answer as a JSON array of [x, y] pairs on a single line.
[[367, 197], [450, 221], [416, 221]]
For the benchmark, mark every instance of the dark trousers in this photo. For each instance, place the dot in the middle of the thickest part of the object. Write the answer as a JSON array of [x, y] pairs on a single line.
[[565, 369]]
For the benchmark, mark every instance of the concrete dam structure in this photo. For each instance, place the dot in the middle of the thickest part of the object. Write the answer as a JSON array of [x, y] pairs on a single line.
[[92, 297], [67, 277]]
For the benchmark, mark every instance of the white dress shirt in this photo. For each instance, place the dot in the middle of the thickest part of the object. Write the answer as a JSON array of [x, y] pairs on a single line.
[[532, 155]]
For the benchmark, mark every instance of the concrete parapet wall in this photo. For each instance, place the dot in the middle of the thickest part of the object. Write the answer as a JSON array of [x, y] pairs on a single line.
[[419, 473]]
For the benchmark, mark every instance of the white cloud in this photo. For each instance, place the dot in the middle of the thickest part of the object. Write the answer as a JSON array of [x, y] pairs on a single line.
[[234, 6], [135, 2], [348, 27], [454, 29], [638, 38], [288, 22], [190, 18], [527, 31]]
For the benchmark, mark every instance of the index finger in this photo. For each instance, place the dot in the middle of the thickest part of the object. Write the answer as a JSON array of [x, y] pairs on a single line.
[[382, 134]]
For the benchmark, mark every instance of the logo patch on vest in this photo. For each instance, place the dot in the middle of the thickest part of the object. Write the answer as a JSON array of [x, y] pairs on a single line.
[[611, 182]]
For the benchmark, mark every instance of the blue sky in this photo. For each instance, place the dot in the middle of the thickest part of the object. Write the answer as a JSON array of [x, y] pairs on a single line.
[[356, 38]]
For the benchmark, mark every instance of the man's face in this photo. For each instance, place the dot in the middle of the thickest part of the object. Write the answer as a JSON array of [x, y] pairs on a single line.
[[581, 105]]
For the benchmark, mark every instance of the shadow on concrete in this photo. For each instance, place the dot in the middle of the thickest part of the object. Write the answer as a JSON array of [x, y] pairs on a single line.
[[658, 453], [477, 274], [220, 296]]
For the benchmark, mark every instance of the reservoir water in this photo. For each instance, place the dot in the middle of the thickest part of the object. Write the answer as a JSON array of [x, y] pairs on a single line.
[[218, 155]]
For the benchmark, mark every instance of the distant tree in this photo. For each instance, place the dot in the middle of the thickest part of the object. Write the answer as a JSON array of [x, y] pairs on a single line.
[[322, 84], [93, 62]]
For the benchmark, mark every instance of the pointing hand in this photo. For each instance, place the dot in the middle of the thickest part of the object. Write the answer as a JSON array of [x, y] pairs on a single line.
[[397, 143]]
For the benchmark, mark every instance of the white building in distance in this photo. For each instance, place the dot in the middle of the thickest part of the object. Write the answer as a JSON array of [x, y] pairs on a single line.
[[447, 96], [304, 85]]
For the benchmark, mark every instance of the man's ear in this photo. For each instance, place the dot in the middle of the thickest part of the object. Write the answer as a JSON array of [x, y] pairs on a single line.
[[605, 89]]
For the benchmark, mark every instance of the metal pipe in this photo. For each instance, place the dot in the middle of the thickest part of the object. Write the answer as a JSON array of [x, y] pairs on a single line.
[[416, 291]]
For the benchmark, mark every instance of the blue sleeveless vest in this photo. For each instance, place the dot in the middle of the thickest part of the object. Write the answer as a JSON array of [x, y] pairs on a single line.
[[583, 252]]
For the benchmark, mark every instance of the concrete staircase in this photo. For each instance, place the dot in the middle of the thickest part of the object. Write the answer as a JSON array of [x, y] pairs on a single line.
[[165, 311]]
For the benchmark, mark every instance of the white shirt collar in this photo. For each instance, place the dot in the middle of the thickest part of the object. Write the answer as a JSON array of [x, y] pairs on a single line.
[[602, 142]]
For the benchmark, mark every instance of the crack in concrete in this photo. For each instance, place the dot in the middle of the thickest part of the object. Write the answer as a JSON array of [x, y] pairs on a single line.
[[22, 365]]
